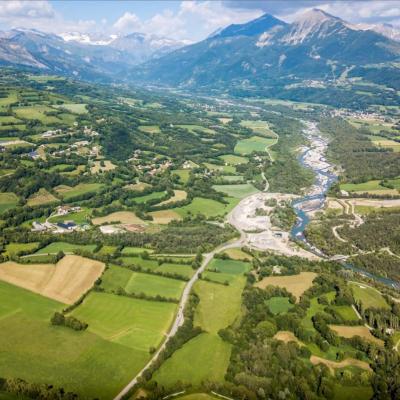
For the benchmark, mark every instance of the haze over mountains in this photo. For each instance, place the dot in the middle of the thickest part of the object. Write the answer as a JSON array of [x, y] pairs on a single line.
[[264, 51]]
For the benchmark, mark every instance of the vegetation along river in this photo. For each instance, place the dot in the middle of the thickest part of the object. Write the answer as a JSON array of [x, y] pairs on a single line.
[[313, 157]]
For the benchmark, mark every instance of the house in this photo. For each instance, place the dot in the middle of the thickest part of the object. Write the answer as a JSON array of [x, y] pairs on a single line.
[[67, 225]]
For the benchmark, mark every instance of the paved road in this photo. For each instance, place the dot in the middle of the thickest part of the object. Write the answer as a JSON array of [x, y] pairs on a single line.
[[179, 319]]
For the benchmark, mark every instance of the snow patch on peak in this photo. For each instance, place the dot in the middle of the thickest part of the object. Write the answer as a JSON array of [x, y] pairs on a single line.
[[266, 38]]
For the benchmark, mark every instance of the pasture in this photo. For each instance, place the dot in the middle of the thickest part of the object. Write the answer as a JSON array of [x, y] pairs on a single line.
[[34, 350], [238, 254], [279, 305], [237, 191], [150, 128], [66, 281], [182, 173], [368, 296], [123, 217], [139, 186], [135, 250], [137, 324], [164, 217], [80, 217], [254, 143], [346, 312], [55, 247], [194, 128], [315, 308], [68, 192], [260, 127], [7, 200], [37, 112], [147, 197], [351, 331], [233, 159], [372, 187], [295, 284], [209, 358], [102, 166], [179, 195], [15, 248], [208, 207], [76, 108], [41, 197], [153, 285]]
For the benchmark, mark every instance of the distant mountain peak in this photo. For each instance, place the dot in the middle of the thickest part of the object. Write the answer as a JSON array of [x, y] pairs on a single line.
[[252, 28]]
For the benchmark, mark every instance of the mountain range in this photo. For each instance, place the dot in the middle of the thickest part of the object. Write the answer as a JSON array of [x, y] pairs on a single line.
[[265, 52]]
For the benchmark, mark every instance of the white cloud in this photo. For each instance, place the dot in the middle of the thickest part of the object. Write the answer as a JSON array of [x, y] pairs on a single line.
[[26, 9], [128, 22]]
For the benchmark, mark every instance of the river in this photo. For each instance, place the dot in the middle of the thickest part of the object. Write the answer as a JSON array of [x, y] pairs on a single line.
[[312, 156]]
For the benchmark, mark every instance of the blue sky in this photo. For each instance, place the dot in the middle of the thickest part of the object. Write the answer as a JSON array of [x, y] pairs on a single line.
[[189, 20]]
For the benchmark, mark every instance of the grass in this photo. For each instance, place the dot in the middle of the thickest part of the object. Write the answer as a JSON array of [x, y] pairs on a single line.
[[238, 191], [163, 217], [15, 248], [238, 254], [279, 305], [209, 358], [147, 197], [68, 192], [314, 308], [137, 324], [254, 143], [227, 169], [115, 277], [80, 217], [34, 350], [37, 112], [76, 108], [150, 128], [207, 207], [154, 285], [135, 250], [7, 200], [219, 305], [41, 197], [55, 247], [372, 186], [229, 266], [184, 270], [260, 127], [193, 128], [182, 173], [342, 392], [124, 217], [295, 284], [179, 195], [97, 167], [368, 296], [198, 396], [351, 331], [107, 250], [346, 312]]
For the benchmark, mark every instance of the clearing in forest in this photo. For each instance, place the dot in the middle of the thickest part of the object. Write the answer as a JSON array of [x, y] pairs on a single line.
[[139, 187], [287, 336], [124, 217], [98, 167], [179, 195], [359, 330], [41, 197], [368, 296], [254, 143], [164, 217], [7, 200], [295, 284], [348, 362], [65, 282]]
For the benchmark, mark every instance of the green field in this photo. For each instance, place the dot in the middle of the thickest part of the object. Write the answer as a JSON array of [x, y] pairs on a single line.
[[260, 127], [135, 250], [154, 285], [219, 305], [74, 108], [34, 350], [352, 392], [198, 396], [369, 186], [134, 282], [233, 159], [193, 128], [7, 201], [208, 207], [254, 143], [37, 112], [138, 261], [314, 308], [107, 250], [137, 324], [78, 190], [204, 357], [150, 128], [182, 173], [346, 312], [279, 305], [79, 217], [14, 248], [238, 191], [147, 197], [184, 270], [368, 296], [55, 247]]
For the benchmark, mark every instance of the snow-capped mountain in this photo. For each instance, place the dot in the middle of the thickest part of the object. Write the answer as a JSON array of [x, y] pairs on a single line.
[[81, 55]]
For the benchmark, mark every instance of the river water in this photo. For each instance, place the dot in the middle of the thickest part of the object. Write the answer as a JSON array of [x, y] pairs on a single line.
[[312, 156]]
